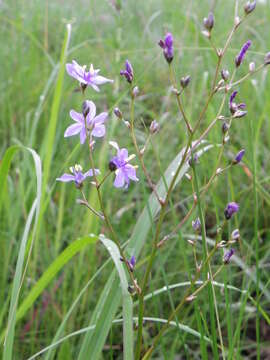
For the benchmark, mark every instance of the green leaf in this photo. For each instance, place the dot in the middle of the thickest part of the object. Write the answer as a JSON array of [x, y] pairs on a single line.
[[19, 274]]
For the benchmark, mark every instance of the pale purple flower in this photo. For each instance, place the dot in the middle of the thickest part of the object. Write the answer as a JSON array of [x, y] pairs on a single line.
[[167, 46], [240, 57], [77, 175], [94, 123], [231, 209], [228, 255], [128, 72], [267, 59], [235, 235], [86, 78], [239, 156], [123, 170]]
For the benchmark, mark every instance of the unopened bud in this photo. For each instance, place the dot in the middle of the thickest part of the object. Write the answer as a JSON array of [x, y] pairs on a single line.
[[85, 108], [209, 22], [252, 67], [239, 114], [267, 59], [135, 91], [185, 81], [127, 124], [225, 74], [235, 235], [154, 127], [225, 127], [118, 113], [237, 21], [249, 7]]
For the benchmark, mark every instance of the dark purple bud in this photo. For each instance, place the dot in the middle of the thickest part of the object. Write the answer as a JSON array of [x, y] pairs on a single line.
[[235, 235], [167, 46], [161, 43], [209, 22], [196, 224], [240, 57], [267, 59], [225, 127], [112, 166], [239, 157], [227, 256], [128, 72], [185, 81], [118, 113], [249, 7], [85, 108], [154, 127], [132, 263], [231, 209], [225, 74], [232, 104]]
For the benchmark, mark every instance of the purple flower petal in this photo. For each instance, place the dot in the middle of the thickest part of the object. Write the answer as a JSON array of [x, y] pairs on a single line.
[[131, 172], [119, 179], [73, 129], [82, 135], [101, 118], [76, 116], [122, 154], [66, 178], [100, 80], [99, 130], [90, 173]]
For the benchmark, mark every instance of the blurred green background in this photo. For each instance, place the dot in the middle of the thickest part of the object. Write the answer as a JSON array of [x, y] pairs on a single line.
[[106, 33]]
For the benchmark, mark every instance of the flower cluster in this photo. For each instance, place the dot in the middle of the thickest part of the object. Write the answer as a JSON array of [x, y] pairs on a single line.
[[167, 46], [88, 125]]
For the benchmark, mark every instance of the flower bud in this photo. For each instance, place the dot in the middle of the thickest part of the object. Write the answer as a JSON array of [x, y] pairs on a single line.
[[112, 166], [196, 224], [267, 59], [249, 7], [118, 113], [225, 74], [231, 209], [225, 127], [135, 91], [209, 22], [185, 81], [239, 157], [239, 114], [235, 235], [227, 256], [154, 127], [85, 108], [252, 67]]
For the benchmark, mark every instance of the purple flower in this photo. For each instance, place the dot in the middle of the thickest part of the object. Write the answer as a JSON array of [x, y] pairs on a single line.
[[231, 209], [239, 156], [240, 57], [86, 78], [228, 255], [123, 170], [235, 235], [128, 72], [167, 46], [77, 175], [94, 123], [237, 110]]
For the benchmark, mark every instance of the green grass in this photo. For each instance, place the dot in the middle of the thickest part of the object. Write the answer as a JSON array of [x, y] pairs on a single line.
[[70, 278]]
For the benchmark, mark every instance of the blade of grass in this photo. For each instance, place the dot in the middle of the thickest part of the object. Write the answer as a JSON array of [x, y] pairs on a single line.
[[126, 298], [19, 273]]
